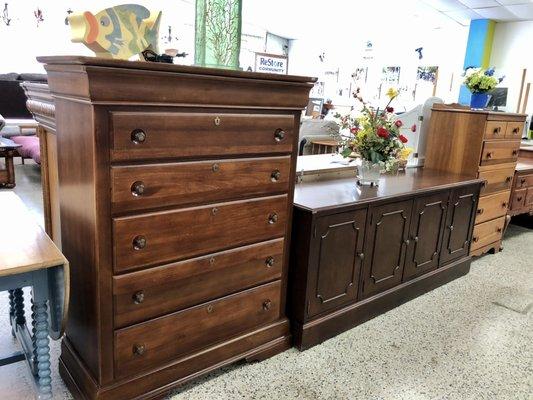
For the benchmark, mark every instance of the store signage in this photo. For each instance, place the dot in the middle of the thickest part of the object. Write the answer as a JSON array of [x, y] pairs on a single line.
[[271, 63]]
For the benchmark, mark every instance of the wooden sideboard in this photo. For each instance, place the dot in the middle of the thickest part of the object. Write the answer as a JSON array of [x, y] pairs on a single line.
[[483, 144], [175, 188], [360, 251], [522, 193]]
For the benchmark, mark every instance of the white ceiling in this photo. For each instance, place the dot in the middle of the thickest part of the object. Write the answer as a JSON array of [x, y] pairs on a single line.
[[300, 18], [462, 11]]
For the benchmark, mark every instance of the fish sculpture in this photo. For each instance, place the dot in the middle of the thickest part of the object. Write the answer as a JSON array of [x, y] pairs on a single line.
[[117, 32]]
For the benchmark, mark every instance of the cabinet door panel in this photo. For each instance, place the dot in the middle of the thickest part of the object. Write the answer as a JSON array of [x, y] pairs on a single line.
[[427, 227], [459, 224], [386, 241], [336, 262]]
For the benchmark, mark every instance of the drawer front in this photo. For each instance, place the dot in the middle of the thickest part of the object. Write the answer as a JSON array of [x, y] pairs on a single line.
[[139, 296], [523, 181], [519, 199], [143, 186], [159, 237], [493, 206], [529, 197], [487, 233], [152, 135], [495, 129], [151, 343], [514, 130], [499, 152], [496, 180]]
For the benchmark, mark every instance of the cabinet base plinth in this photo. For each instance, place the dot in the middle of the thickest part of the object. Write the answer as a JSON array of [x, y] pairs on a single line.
[[252, 346], [316, 331]]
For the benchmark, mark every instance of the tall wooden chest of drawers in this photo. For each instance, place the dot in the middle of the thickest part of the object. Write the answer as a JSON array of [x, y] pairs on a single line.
[[175, 189], [483, 144]]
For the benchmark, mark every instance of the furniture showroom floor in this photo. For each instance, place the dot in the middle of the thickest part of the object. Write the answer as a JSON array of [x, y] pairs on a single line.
[[469, 339]]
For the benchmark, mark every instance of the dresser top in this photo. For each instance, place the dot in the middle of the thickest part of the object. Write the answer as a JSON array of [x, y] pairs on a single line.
[[324, 195], [464, 109], [164, 67]]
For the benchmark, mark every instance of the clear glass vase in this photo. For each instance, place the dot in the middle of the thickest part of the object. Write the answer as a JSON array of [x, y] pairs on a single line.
[[368, 173], [218, 33]]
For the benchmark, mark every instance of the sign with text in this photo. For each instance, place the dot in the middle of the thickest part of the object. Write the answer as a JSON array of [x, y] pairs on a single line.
[[271, 63]]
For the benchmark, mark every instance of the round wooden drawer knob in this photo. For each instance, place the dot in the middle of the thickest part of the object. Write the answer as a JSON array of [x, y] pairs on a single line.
[[475, 239], [267, 305], [138, 297], [138, 136], [275, 176], [480, 211], [279, 135], [139, 242], [269, 261], [137, 189], [273, 218], [138, 349]]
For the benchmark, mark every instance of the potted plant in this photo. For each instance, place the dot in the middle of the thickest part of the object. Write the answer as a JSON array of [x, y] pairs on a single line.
[[374, 136], [480, 81]]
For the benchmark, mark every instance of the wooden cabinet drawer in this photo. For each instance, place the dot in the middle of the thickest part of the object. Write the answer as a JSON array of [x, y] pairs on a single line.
[[514, 130], [159, 237], [529, 197], [523, 181], [496, 180], [143, 186], [493, 206], [519, 199], [142, 295], [149, 344], [495, 129], [487, 233], [497, 152], [153, 135]]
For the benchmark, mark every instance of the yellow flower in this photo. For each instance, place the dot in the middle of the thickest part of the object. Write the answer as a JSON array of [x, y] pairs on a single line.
[[392, 93], [405, 152]]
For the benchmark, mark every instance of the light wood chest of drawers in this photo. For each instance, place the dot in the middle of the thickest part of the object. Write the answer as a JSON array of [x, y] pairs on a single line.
[[175, 189], [483, 144]]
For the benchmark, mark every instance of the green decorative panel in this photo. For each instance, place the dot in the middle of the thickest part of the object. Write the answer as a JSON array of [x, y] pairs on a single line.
[[218, 33]]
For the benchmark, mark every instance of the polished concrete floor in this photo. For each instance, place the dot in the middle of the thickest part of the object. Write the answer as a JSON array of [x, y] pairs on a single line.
[[470, 339]]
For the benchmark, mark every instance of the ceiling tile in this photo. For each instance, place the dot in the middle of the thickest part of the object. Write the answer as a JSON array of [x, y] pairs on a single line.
[[496, 13], [480, 3], [446, 5], [463, 16], [522, 11]]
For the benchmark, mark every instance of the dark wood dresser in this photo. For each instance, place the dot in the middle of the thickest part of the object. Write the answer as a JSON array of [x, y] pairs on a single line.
[[360, 251], [175, 191], [483, 144]]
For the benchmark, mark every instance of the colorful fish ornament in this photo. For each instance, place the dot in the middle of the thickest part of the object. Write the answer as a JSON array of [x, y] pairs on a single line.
[[117, 32]]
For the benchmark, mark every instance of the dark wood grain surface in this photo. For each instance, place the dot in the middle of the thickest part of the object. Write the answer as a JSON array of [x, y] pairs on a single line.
[[345, 192]]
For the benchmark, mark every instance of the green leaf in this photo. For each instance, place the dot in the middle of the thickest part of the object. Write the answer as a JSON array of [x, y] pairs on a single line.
[[346, 152]]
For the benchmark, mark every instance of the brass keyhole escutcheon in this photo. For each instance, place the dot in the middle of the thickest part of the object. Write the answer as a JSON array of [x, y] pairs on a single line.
[[139, 242], [209, 309], [212, 260], [217, 121], [214, 211], [215, 167]]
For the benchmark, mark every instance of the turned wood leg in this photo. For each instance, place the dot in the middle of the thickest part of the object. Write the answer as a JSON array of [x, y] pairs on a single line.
[[42, 349], [10, 170], [18, 300], [11, 309], [33, 335]]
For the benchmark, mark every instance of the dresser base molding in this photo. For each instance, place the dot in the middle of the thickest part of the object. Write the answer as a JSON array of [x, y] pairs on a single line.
[[492, 248], [328, 326], [252, 346]]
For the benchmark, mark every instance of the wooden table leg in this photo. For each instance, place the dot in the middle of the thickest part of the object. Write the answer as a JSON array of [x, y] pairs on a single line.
[[10, 170]]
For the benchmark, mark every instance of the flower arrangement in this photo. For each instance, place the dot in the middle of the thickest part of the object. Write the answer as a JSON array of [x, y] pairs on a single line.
[[478, 80], [374, 135]]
